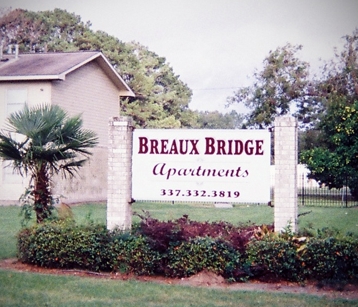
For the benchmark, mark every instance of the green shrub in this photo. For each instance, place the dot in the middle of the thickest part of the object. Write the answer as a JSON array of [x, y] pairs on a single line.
[[189, 258], [65, 245], [131, 253], [275, 256], [298, 259], [331, 258]]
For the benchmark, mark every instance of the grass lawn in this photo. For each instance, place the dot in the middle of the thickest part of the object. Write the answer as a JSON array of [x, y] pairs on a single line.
[[25, 289]]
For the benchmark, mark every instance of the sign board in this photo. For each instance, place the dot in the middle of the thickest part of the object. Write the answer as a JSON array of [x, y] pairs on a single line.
[[201, 165]]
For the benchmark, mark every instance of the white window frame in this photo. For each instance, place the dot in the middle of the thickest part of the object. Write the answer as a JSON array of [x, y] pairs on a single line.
[[15, 101]]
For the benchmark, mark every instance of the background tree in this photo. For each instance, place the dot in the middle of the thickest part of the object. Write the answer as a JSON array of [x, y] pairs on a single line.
[[325, 107], [217, 120], [282, 82], [162, 99], [43, 141], [335, 161]]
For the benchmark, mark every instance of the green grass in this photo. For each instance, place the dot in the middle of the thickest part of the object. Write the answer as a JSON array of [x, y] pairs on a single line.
[[345, 220], [25, 289], [9, 226], [257, 214], [167, 211]]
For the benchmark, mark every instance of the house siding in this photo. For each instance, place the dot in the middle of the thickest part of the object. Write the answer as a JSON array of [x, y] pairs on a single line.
[[88, 91], [89, 184]]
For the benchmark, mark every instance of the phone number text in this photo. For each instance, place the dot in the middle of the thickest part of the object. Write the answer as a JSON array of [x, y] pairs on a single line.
[[199, 193]]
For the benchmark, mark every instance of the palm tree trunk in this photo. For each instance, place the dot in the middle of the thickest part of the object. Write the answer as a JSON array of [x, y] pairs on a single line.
[[42, 194]]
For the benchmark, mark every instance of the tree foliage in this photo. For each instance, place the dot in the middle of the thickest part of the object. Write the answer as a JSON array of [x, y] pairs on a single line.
[[162, 99], [326, 107], [217, 120], [282, 81], [42, 141], [335, 162]]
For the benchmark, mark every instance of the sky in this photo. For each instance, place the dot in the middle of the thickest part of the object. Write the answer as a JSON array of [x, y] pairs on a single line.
[[216, 45]]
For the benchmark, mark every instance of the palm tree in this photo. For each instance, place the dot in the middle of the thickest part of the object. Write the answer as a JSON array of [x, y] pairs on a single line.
[[42, 141]]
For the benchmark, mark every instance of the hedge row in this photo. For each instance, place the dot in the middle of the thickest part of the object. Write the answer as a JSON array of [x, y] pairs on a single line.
[[176, 253]]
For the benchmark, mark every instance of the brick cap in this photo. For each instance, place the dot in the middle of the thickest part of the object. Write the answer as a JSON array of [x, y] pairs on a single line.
[[286, 121]]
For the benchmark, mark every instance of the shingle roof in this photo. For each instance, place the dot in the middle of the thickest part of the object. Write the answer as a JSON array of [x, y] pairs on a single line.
[[55, 66]]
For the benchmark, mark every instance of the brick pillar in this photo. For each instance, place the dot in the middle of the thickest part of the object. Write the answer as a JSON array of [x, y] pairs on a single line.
[[285, 199], [119, 211]]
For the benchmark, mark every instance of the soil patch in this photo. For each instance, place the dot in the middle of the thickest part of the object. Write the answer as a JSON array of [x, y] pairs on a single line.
[[202, 279]]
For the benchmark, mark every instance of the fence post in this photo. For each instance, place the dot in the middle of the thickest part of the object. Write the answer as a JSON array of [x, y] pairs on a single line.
[[285, 173], [119, 211], [303, 189], [347, 192]]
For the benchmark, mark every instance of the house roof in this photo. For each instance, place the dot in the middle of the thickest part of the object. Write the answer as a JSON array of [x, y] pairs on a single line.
[[55, 66]]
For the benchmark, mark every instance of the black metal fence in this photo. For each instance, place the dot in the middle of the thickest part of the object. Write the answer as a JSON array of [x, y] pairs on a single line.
[[311, 194]]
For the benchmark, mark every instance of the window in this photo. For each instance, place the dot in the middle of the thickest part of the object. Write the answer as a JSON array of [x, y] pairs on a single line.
[[15, 101]]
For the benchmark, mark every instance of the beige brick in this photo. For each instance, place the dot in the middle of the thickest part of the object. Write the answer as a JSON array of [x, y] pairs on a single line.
[[286, 173], [119, 211]]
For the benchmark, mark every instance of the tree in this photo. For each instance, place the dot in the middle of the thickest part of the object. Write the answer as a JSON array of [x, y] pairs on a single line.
[[282, 82], [162, 99], [42, 141], [335, 162], [217, 120], [340, 75]]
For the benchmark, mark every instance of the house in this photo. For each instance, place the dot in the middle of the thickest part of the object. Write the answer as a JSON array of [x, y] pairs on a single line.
[[81, 83]]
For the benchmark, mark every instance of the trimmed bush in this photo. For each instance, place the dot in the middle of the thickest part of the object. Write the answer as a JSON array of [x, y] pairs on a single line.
[[275, 256], [331, 258], [162, 234], [189, 258], [131, 253], [65, 245]]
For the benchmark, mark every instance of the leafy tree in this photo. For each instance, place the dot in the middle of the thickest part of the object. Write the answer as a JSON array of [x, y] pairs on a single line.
[[282, 82], [162, 99], [340, 75], [217, 120], [335, 162], [42, 141]]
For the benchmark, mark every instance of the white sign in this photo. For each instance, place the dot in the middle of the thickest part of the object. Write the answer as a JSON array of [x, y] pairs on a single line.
[[201, 165]]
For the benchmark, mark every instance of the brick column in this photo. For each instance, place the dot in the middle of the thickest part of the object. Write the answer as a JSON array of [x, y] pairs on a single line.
[[285, 199], [119, 211]]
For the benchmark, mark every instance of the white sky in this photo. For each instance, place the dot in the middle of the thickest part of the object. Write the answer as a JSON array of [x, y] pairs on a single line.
[[215, 44]]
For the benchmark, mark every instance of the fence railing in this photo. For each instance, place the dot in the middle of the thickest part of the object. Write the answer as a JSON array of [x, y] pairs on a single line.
[[321, 196]]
